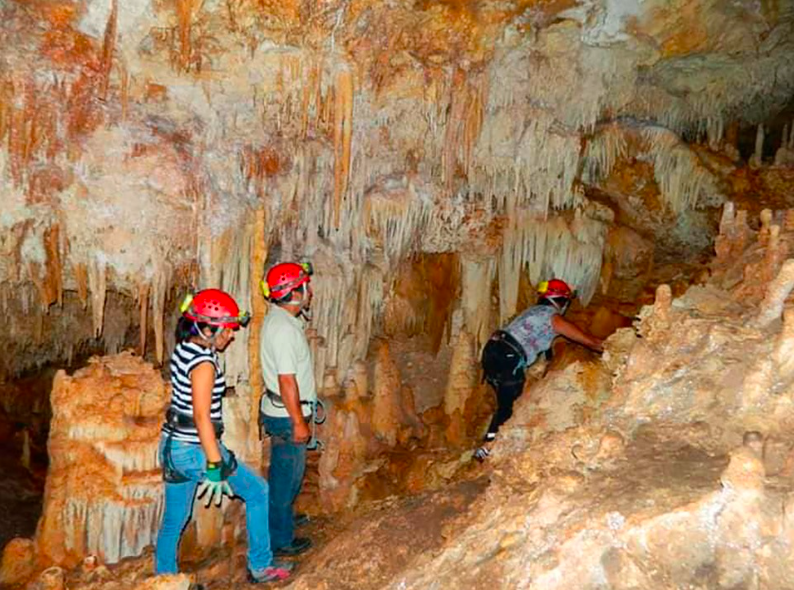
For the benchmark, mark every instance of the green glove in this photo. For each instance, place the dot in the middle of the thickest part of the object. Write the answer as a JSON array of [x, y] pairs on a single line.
[[215, 484]]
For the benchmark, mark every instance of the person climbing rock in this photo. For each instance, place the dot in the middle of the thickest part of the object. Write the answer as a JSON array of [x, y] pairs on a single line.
[[510, 350], [191, 452], [288, 405]]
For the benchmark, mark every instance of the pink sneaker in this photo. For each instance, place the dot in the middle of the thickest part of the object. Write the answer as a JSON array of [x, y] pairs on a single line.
[[275, 573]]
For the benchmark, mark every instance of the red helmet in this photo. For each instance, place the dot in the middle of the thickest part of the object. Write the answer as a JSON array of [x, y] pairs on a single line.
[[214, 307], [284, 278], [555, 288]]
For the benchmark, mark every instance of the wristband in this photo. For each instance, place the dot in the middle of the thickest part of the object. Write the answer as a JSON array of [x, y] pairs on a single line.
[[214, 472]]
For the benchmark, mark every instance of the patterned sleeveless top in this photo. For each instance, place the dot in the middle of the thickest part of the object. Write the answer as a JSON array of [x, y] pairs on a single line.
[[186, 357]]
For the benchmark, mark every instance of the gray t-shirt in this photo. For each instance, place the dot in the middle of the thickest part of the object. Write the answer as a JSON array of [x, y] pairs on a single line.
[[532, 329], [284, 350]]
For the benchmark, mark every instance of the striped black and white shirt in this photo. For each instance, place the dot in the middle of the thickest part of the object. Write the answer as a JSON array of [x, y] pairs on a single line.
[[186, 357]]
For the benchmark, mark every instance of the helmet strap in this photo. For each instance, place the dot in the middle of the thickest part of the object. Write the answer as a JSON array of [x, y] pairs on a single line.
[[561, 308], [209, 340]]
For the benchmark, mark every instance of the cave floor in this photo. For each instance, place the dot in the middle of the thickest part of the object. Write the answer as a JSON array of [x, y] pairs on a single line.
[[369, 548]]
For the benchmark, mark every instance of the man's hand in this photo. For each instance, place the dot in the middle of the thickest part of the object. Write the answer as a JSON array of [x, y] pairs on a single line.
[[300, 432]]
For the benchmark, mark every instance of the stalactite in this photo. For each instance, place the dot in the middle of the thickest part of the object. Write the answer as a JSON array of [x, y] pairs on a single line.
[[442, 277], [124, 89], [549, 248], [53, 265], [683, 180], [108, 47], [510, 265], [232, 272], [454, 128], [158, 294], [81, 280], [476, 279], [143, 306], [97, 283], [397, 214], [602, 152], [184, 13], [343, 132]]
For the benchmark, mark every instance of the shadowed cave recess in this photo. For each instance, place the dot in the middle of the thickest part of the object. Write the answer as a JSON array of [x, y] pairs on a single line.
[[436, 160]]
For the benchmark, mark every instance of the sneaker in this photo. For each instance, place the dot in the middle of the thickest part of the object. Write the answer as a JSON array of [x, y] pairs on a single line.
[[298, 546], [278, 571], [300, 519]]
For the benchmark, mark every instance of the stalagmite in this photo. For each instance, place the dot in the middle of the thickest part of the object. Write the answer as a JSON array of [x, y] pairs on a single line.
[[766, 220], [756, 160], [387, 415], [258, 310], [342, 461], [784, 347], [462, 379], [776, 294], [104, 490], [18, 562]]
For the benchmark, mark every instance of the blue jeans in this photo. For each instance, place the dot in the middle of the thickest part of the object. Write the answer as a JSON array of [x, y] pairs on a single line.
[[189, 460], [287, 466]]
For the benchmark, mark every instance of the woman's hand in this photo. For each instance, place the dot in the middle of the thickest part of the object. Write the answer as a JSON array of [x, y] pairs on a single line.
[[215, 485]]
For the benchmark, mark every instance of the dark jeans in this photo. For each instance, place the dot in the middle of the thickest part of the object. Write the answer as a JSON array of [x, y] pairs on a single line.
[[287, 466], [504, 371]]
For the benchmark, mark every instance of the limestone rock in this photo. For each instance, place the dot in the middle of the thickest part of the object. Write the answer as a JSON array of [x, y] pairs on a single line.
[[104, 488], [168, 582], [52, 578], [18, 561]]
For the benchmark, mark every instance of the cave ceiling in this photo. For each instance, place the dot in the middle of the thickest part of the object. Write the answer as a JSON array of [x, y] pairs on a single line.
[[137, 137]]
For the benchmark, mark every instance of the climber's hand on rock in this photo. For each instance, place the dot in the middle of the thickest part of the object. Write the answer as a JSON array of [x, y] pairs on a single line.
[[482, 453], [300, 432], [215, 486]]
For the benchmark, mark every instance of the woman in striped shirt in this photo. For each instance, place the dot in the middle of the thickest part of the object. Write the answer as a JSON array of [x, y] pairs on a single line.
[[191, 451]]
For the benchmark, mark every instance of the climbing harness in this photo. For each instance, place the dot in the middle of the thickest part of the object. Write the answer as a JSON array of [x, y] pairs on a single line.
[[508, 340], [176, 420], [170, 473], [318, 417]]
